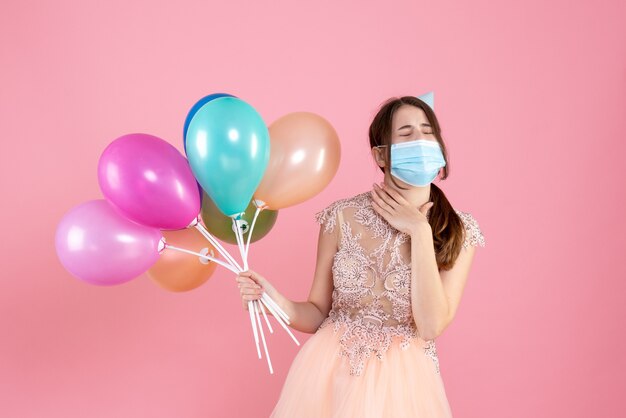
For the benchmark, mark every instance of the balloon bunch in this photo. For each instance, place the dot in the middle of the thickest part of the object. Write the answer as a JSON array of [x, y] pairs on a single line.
[[237, 175]]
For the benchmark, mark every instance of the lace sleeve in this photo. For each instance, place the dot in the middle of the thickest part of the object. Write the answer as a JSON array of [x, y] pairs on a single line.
[[328, 217], [473, 234]]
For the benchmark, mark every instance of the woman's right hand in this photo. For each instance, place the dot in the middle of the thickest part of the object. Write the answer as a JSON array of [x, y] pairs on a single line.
[[252, 285]]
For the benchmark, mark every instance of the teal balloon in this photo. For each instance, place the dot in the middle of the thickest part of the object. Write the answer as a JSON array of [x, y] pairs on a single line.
[[228, 148]]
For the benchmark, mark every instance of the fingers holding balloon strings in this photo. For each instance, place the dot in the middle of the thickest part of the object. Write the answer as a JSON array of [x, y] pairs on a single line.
[[249, 290]]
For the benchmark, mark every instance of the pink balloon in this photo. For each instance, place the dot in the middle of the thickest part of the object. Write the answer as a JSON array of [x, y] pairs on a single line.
[[149, 181], [99, 245]]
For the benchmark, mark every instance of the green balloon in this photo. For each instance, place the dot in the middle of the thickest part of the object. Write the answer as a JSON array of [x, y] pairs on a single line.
[[221, 226]]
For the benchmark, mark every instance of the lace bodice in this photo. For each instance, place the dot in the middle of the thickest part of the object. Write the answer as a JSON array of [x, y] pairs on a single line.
[[372, 280]]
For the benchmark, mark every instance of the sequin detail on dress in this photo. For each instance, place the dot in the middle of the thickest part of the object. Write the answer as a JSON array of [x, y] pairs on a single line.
[[371, 302], [473, 234]]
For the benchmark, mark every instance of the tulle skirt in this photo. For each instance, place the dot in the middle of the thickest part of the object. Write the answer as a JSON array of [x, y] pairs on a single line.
[[404, 384]]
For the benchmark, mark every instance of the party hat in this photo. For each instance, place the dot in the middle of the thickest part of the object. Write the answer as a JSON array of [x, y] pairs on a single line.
[[429, 98]]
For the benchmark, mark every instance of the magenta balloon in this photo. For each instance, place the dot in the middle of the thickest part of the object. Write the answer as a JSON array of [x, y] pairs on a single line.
[[149, 181], [99, 245]]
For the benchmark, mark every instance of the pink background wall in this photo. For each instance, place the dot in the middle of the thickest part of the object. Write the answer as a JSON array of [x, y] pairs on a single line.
[[531, 97]]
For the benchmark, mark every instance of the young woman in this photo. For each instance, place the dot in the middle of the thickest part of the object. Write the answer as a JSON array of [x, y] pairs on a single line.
[[391, 267]]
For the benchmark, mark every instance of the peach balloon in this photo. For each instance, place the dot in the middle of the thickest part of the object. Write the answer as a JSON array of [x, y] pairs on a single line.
[[179, 272], [304, 157]]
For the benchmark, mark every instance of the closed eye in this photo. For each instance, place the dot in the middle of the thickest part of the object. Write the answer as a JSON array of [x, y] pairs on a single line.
[[425, 133]]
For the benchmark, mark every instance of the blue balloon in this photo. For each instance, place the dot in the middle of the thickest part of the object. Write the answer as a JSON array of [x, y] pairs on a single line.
[[228, 148], [195, 108]]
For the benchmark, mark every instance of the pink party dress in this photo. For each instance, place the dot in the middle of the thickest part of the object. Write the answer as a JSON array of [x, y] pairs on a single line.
[[366, 359]]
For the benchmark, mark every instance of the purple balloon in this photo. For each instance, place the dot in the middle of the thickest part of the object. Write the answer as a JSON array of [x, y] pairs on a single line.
[[149, 181], [99, 245]]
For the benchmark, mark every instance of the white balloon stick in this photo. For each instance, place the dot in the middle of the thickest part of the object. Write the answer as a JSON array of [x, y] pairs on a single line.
[[256, 215], [217, 245], [258, 320], [254, 331], [267, 321], [276, 307], [239, 236], [215, 260], [280, 321]]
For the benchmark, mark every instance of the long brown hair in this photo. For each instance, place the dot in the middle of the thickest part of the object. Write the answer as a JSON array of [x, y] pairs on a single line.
[[447, 226]]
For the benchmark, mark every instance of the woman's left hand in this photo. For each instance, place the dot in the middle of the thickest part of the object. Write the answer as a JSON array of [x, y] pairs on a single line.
[[398, 211]]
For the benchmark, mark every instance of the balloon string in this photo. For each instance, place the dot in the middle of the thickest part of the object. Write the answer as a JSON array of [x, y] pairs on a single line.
[[256, 215], [218, 246], [215, 260]]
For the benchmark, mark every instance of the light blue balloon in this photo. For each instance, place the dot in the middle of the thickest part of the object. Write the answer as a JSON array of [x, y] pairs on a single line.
[[228, 148], [195, 108]]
